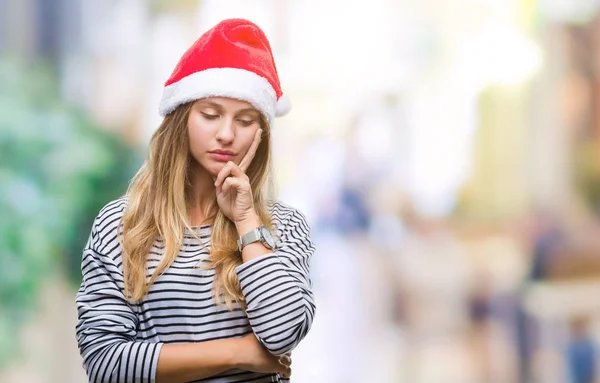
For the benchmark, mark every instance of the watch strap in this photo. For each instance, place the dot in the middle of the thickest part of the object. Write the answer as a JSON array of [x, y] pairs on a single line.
[[248, 238]]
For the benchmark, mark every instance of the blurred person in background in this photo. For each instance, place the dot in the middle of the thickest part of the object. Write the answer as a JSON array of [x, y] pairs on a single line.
[[197, 273], [547, 236], [581, 352]]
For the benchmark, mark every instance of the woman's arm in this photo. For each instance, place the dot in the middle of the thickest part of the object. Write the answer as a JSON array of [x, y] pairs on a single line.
[[278, 289], [179, 363], [106, 331], [106, 337], [106, 326], [193, 361]]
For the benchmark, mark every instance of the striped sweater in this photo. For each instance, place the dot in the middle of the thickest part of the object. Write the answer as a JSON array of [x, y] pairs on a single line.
[[121, 342]]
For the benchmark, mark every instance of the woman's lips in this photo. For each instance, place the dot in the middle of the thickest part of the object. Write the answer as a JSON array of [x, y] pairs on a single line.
[[222, 155]]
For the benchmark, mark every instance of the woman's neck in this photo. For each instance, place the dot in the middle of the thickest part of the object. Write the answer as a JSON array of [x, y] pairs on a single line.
[[203, 193]]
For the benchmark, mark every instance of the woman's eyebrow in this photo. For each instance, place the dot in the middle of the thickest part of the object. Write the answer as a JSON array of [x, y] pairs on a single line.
[[213, 105], [247, 110], [220, 107]]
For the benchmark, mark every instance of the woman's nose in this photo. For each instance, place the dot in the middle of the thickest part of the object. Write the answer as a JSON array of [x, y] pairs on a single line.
[[226, 133]]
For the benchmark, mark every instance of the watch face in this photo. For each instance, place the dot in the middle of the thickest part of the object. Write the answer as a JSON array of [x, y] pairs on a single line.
[[266, 234]]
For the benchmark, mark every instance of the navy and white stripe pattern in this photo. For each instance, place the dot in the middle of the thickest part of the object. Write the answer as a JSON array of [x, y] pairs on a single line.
[[121, 342]]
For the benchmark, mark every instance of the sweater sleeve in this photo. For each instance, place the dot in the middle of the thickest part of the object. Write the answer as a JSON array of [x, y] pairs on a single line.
[[278, 289], [106, 326]]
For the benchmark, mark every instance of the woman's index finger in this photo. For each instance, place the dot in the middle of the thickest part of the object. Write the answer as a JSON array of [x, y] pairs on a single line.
[[247, 160]]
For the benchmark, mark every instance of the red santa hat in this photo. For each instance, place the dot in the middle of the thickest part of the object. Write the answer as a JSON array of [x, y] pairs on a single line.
[[233, 59]]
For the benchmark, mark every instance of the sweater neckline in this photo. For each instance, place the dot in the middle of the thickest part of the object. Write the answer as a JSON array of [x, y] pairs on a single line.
[[200, 229]]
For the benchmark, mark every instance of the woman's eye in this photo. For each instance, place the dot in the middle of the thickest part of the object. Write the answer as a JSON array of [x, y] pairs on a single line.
[[246, 122], [210, 116]]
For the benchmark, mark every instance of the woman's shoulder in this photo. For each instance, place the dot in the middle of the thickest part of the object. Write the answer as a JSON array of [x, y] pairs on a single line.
[[282, 213], [280, 209], [110, 215], [116, 206]]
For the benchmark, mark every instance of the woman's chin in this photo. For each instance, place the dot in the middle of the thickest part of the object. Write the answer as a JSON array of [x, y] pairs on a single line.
[[211, 167], [215, 168]]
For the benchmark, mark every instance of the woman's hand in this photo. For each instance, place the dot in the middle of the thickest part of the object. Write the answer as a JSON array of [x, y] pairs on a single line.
[[234, 194], [253, 356]]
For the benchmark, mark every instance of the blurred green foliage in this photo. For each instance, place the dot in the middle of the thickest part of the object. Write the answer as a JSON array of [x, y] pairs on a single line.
[[57, 169]]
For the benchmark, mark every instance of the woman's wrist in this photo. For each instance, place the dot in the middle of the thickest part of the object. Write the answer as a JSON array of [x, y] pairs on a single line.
[[247, 224], [192, 361], [254, 249], [233, 353], [238, 351]]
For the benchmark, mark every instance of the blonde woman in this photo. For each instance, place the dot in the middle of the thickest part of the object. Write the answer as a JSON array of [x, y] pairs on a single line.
[[196, 274]]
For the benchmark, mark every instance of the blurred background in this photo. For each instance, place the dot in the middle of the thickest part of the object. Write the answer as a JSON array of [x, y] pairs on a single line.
[[446, 153]]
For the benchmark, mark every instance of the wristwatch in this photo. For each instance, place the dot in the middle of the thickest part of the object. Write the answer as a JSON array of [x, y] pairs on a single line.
[[261, 234]]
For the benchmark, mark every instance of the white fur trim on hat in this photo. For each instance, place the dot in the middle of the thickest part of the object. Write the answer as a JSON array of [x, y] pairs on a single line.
[[221, 82], [284, 105]]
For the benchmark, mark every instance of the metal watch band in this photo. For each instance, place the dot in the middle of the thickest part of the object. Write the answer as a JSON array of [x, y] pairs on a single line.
[[248, 238], [262, 234]]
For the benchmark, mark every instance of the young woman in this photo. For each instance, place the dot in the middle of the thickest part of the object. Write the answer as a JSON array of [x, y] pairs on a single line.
[[195, 274]]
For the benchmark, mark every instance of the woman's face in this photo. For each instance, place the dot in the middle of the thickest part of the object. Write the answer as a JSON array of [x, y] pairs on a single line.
[[221, 129]]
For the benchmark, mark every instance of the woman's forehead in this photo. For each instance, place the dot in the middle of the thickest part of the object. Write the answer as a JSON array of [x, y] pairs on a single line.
[[227, 103]]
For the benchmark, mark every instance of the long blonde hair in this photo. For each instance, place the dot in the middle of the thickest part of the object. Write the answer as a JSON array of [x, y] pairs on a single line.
[[158, 204]]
